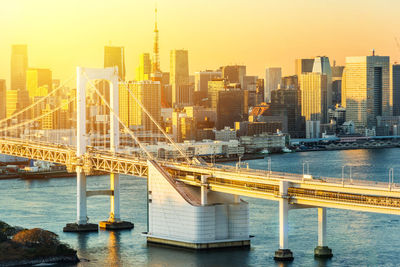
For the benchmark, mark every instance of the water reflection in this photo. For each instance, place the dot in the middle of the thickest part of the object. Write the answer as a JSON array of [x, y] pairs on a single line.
[[321, 262], [82, 241], [113, 256], [34, 183], [159, 255]]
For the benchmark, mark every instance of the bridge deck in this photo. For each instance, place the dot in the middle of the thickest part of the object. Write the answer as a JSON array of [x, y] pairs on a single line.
[[323, 191]]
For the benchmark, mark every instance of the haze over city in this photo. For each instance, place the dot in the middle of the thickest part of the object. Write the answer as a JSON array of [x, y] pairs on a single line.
[[177, 126], [64, 34]]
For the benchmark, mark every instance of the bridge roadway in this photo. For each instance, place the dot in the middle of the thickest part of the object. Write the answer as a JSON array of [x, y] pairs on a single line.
[[328, 192]]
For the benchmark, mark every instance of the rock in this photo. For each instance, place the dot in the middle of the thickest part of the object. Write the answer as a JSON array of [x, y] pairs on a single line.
[[36, 237], [3, 237], [9, 230], [33, 246]]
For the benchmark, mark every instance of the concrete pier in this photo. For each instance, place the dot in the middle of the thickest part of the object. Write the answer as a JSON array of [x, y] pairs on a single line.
[[189, 216], [114, 221], [283, 253], [81, 224], [322, 251]]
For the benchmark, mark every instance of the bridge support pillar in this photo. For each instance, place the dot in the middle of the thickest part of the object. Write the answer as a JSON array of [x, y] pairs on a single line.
[[283, 253], [203, 193], [322, 251], [81, 224], [114, 221]]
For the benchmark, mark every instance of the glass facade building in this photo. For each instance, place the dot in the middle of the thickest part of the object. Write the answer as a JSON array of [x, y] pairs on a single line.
[[366, 90], [313, 97]]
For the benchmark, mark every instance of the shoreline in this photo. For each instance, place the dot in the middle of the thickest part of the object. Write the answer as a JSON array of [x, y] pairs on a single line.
[[42, 260], [345, 148]]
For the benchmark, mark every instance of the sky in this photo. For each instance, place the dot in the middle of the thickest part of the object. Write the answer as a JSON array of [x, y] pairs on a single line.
[[63, 34]]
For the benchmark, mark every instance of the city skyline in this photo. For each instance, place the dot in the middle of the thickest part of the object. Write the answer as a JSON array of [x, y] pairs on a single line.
[[260, 34]]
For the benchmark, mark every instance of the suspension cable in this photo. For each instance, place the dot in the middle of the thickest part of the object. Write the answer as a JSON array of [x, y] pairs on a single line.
[[156, 123], [37, 102], [117, 116], [37, 118]]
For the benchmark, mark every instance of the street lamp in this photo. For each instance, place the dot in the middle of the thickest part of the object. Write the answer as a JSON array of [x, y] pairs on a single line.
[[391, 178], [306, 163], [343, 174], [351, 174], [238, 165]]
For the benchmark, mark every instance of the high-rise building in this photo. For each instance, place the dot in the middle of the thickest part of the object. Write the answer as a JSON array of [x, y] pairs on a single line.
[[148, 93], [2, 99], [143, 71], [64, 116], [313, 97], [234, 73], [39, 82], [259, 98], [396, 89], [230, 107], [166, 90], [47, 122], [250, 85], [273, 77], [17, 100], [12, 102], [230, 104], [337, 73], [303, 65], [214, 86], [286, 102], [203, 77], [366, 90], [115, 56], [19, 65], [290, 82], [179, 75], [322, 66]]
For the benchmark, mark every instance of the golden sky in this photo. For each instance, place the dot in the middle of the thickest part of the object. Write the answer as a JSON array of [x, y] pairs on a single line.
[[62, 34]]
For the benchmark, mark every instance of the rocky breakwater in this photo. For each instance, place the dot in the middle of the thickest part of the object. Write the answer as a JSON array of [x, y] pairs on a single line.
[[19, 246]]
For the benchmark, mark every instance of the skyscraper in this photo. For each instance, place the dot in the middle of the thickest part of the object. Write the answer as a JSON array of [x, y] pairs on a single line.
[[285, 101], [234, 73], [313, 97], [179, 74], [149, 94], [19, 65], [143, 71], [214, 86], [303, 65], [322, 65], [12, 102], [273, 77], [17, 100], [38, 82], [396, 89], [337, 73], [203, 77], [2, 99], [366, 90], [115, 56], [230, 107]]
